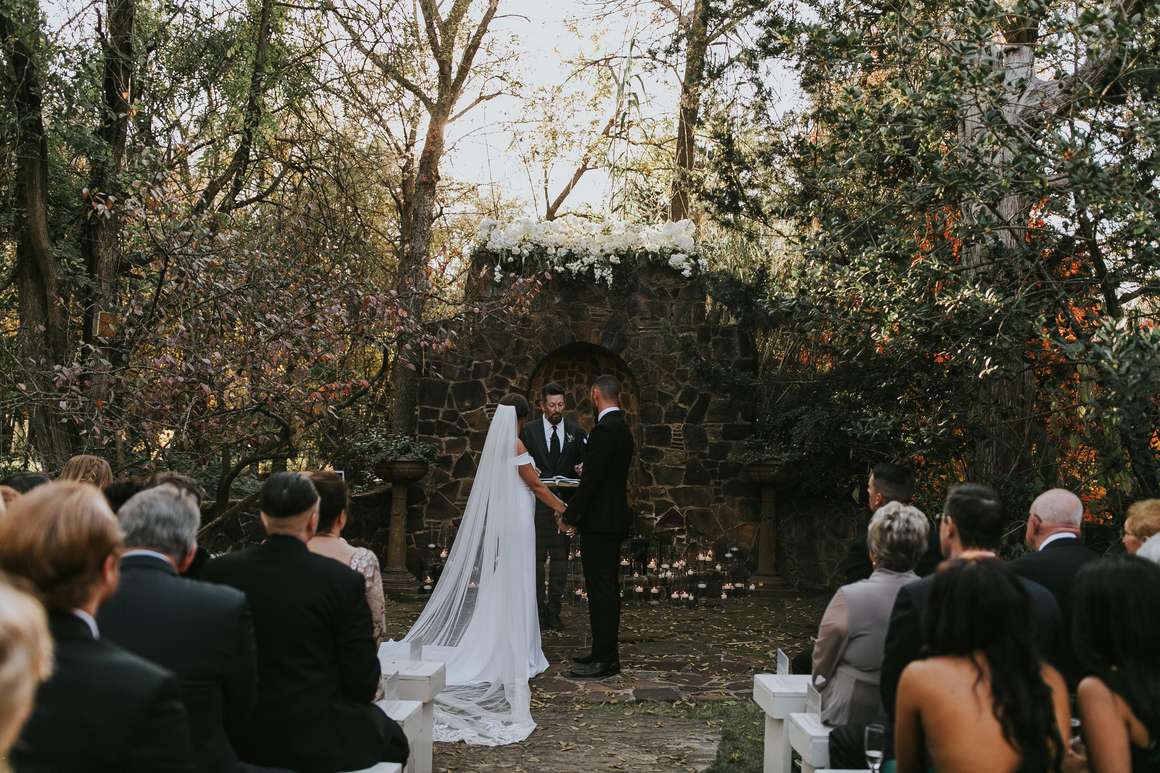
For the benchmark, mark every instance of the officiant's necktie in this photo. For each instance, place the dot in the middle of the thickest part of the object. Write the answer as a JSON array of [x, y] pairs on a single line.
[[554, 448]]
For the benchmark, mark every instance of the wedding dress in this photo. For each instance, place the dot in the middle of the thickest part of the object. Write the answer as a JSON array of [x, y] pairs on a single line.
[[482, 620]]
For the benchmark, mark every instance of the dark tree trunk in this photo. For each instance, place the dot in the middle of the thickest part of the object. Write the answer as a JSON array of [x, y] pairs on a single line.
[[44, 335]]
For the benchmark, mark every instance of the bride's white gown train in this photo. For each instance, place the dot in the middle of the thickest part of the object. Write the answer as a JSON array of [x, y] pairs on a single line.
[[482, 620]]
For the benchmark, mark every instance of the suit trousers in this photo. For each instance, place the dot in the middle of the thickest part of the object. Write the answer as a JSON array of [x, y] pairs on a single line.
[[600, 557], [550, 544]]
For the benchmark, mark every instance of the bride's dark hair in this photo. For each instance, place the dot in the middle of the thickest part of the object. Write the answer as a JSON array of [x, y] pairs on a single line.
[[979, 606], [519, 402]]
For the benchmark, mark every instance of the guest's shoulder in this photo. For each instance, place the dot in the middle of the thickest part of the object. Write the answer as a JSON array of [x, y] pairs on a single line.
[[123, 670], [207, 593], [331, 570]]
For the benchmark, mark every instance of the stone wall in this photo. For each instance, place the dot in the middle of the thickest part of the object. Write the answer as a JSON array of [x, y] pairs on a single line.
[[648, 330]]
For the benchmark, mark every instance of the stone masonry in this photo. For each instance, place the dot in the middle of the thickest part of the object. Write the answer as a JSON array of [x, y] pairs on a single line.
[[649, 330]]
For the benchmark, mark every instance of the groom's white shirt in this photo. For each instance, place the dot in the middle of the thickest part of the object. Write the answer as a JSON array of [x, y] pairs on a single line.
[[607, 411]]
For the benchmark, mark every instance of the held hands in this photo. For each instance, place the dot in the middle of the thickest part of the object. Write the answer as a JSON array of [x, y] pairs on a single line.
[[562, 527]]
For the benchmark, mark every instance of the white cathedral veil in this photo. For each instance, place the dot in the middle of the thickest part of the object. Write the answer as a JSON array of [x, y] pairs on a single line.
[[481, 620]]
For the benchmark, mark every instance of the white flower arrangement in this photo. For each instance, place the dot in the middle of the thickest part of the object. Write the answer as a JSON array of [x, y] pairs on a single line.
[[579, 247]]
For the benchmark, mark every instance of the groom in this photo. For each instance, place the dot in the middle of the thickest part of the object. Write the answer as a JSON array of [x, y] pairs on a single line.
[[599, 511]]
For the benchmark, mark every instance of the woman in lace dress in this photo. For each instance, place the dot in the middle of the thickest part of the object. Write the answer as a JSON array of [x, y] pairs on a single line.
[[333, 504]]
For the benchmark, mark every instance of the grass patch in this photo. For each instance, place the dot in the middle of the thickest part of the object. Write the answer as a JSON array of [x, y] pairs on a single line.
[[741, 724]]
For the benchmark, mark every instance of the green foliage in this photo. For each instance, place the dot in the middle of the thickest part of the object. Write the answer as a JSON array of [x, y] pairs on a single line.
[[968, 237]]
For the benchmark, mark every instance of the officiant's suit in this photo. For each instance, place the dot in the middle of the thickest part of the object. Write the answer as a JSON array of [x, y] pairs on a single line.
[[599, 511], [556, 450]]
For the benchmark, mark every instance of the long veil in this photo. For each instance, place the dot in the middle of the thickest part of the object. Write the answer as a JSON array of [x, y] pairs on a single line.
[[481, 620]]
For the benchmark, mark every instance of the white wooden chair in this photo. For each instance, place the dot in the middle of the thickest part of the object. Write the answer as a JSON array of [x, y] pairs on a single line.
[[416, 681], [808, 737], [779, 695], [382, 767]]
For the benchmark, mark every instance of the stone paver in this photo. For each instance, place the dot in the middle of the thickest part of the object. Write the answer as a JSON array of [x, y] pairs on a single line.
[[669, 655]]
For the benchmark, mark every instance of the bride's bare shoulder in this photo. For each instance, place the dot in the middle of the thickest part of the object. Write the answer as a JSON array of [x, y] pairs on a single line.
[[520, 447]]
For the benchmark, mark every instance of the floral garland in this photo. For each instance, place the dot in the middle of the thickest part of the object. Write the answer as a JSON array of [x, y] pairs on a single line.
[[581, 248]]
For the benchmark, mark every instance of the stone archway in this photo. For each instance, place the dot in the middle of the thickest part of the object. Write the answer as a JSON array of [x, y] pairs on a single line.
[[575, 366]]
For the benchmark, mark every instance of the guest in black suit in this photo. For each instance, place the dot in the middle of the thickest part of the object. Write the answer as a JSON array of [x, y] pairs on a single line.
[[557, 446], [318, 670], [103, 708], [599, 511], [200, 632], [887, 483], [971, 526], [190, 486], [1053, 532]]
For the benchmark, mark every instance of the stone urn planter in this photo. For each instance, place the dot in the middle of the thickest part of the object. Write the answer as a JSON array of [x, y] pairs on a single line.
[[399, 473], [400, 470], [769, 476]]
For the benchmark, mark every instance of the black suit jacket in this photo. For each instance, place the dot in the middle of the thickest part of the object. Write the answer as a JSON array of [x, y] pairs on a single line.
[[200, 632], [571, 454], [318, 669], [103, 710], [904, 637], [1055, 568], [600, 504]]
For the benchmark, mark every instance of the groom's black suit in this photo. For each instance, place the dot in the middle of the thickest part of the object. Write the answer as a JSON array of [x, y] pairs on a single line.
[[599, 511]]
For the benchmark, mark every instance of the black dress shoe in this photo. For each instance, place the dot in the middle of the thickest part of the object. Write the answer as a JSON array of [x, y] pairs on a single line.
[[595, 670], [582, 658]]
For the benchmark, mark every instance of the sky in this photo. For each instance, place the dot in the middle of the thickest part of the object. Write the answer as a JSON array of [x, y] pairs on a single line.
[[482, 140]]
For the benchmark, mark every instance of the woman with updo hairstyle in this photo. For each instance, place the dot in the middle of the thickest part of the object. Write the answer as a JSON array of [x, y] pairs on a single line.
[[848, 654], [86, 468]]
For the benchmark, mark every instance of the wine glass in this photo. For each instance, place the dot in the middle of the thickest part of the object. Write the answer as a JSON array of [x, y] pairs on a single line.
[[875, 746]]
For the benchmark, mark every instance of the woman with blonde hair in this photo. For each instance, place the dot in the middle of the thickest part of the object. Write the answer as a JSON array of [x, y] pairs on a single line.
[[25, 660], [87, 468], [1142, 523]]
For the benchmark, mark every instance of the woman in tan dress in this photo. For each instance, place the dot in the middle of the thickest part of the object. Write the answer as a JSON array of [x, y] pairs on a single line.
[[333, 505]]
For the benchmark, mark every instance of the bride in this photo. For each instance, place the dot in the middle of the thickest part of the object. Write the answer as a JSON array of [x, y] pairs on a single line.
[[482, 619]]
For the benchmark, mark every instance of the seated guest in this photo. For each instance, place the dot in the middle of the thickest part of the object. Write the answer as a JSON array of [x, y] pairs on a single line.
[[1150, 550], [200, 632], [981, 697], [1142, 523], [971, 526], [318, 668], [333, 505], [121, 491], [887, 483], [848, 652], [1117, 639], [103, 708], [25, 660], [24, 482], [194, 489], [1053, 532], [86, 468]]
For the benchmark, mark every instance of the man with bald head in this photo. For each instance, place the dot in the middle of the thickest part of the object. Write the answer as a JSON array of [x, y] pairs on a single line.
[[1053, 534]]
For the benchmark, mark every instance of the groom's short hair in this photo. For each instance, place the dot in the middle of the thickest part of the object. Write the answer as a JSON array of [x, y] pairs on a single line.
[[608, 386], [287, 494]]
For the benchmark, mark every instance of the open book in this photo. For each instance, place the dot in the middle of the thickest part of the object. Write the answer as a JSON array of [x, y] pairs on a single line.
[[560, 481]]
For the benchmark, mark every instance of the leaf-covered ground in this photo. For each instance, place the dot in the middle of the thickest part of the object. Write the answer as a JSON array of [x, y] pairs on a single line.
[[681, 703]]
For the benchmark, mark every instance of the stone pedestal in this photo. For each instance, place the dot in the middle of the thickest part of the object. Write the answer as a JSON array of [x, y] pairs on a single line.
[[768, 579], [397, 581]]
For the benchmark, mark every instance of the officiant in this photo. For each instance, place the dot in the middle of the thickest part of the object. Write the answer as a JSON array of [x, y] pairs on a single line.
[[557, 446]]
